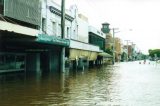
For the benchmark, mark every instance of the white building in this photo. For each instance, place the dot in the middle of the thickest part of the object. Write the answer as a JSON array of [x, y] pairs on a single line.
[[97, 32], [76, 30], [79, 43], [51, 19]]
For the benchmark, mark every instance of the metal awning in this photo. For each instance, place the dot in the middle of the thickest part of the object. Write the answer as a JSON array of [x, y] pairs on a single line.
[[80, 53], [10, 27], [105, 55]]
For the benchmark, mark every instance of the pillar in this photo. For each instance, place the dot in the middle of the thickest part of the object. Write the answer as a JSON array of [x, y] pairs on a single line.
[[33, 62], [91, 63], [54, 61]]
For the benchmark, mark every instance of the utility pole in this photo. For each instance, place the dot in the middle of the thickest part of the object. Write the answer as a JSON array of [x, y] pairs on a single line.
[[113, 47], [63, 35], [114, 43], [127, 49], [131, 51]]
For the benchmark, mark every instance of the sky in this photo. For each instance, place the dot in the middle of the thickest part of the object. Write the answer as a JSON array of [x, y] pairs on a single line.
[[136, 20]]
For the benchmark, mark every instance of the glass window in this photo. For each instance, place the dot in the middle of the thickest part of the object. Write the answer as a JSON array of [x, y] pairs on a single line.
[[59, 29], [10, 58], [44, 25], [54, 28], [2, 59], [105, 26], [1, 7], [68, 32], [20, 58], [1, 2], [10, 61], [20, 62]]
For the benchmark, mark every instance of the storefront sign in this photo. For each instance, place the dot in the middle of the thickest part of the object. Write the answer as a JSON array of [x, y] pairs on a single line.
[[52, 40]]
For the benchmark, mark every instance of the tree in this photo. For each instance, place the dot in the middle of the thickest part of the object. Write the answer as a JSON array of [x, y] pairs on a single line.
[[124, 56], [109, 51], [154, 52]]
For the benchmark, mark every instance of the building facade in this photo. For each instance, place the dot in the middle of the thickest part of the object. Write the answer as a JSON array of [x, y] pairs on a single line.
[[51, 20], [97, 37], [20, 22], [31, 40], [118, 51], [81, 52]]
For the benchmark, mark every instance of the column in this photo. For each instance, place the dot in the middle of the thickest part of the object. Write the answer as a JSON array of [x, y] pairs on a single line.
[[33, 62]]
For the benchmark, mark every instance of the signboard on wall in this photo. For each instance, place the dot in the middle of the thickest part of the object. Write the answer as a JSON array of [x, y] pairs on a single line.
[[44, 38]]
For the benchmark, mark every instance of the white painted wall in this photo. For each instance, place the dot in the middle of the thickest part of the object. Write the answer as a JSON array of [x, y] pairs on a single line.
[[83, 30], [83, 46], [53, 21], [96, 31], [77, 29], [74, 28]]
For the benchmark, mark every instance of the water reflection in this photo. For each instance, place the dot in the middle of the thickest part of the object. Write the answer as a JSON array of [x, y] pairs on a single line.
[[29, 88], [121, 85], [70, 88]]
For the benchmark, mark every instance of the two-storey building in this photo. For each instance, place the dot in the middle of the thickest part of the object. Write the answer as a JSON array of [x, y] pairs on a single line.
[[80, 50], [20, 21], [98, 38], [31, 35]]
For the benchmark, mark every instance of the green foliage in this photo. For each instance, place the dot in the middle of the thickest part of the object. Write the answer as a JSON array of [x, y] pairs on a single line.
[[109, 51], [144, 56], [124, 56], [153, 52]]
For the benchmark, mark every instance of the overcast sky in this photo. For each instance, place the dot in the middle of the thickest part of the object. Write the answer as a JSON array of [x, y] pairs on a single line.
[[137, 20]]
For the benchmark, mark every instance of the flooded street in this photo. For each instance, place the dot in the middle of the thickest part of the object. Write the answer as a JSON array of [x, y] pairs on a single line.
[[124, 84]]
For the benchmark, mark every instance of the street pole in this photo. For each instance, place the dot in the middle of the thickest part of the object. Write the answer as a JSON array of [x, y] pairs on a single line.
[[113, 47], [62, 67], [114, 43], [127, 49], [131, 50]]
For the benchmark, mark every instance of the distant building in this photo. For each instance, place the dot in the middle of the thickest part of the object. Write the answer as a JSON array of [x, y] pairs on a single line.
[[118, 50], [129, 51], [97, 37], [105, 28], [109, 41]]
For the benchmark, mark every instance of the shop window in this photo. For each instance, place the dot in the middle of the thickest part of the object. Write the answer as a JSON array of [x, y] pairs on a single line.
[[54, 28], [68, 32], [1, 6], [44, 25]]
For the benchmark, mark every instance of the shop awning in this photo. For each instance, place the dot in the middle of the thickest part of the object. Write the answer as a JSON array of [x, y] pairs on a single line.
[[105, 55], [76, 53], [10, 27], [44, 38]]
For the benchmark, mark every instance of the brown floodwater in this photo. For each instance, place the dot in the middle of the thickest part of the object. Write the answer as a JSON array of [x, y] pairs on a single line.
[[124, 84]]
